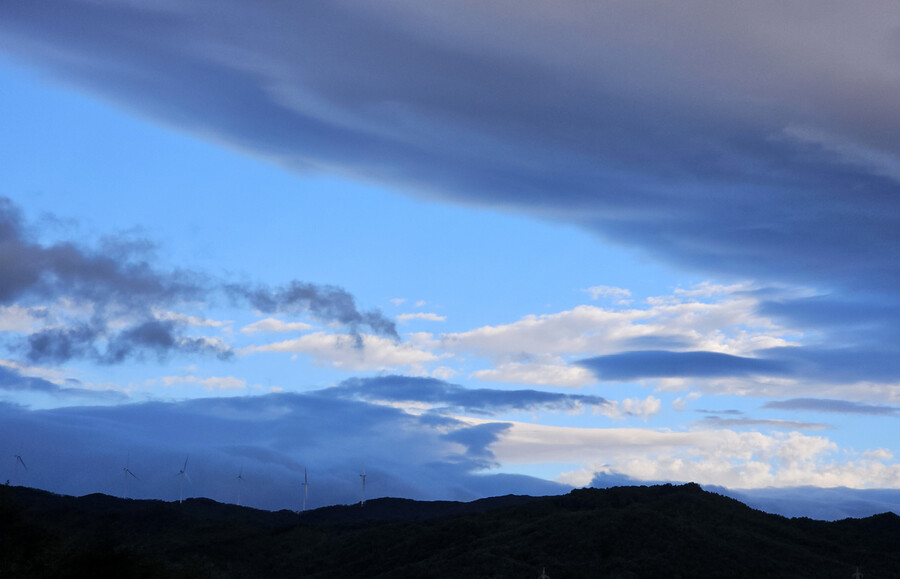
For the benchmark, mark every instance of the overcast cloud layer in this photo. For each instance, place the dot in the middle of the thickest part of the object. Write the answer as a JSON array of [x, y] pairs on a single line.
[[675, 127]]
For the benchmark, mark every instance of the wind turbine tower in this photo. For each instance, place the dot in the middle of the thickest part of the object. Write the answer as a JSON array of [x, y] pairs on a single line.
[[182, 474], [126, 472], [362, 503], [240, 479], [305, 489]]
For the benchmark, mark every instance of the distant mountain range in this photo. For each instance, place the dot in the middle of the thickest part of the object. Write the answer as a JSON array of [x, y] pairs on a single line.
[[660, 531]]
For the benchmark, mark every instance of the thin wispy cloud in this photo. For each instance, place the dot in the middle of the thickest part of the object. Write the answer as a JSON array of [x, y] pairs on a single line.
[[835, 406]]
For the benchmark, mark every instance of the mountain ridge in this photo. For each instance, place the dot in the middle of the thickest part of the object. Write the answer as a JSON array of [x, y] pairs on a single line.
[[633, 532]]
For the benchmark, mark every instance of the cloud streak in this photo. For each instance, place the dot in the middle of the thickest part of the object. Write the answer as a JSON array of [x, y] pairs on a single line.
[[454, 398], [835, 406], [664, 364]]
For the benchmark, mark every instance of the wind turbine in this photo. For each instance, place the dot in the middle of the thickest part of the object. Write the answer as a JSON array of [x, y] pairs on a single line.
[[18, 462], [363, 477], [240, 479], [183, 475], [126, 472], [305, 489]]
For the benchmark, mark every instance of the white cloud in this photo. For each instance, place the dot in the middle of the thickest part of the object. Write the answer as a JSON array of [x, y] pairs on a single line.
[[420, 303], [443, 373], [18, 319], [188, 320], [631, 407], [680, 403], [729, 326], [538, 374], [398, 301], [272, 325], [718, 457], [609, 291], [345, 352], [402, 318], [213, 383]]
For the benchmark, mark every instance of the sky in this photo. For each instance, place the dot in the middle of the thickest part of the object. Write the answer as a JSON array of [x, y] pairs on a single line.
[[466, 248]]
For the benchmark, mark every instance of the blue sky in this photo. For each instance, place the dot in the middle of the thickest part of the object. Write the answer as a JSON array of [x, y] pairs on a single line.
[[468, 250]]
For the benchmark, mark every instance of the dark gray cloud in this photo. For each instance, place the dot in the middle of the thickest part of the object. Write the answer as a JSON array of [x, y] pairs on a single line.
[[452, 397], [828, 405], [741, 141], [154, 337], [117, 273], [120, 283], [835, 365], [114, 278], [270, 439], [663, 364], [826, 365], [324, 302], [477, 440]]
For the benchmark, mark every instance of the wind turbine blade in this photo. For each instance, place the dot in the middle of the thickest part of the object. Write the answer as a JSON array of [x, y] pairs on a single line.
[[188, 477], [19, 458], [185, 463]]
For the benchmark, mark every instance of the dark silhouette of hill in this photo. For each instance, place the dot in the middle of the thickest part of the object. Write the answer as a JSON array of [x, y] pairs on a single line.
[[624, 532]]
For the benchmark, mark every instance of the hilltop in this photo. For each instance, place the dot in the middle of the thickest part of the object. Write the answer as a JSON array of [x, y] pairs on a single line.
[[630, 532]]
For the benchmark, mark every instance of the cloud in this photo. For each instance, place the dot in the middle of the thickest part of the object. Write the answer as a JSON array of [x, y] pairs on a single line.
[[113, 284], [58, 345], [679, 129], [271, 439], [538, 374], [632, 407], [359, 352], [836, 406], [324, 302], [719, 422], [213, 383], [662, 364], [402, 318], [446, 397], [781, 173], [729, 324], [827, 504], [110, 304], [597, 291], [117, 273], [272, 325], [707, 456], [11, 380]]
